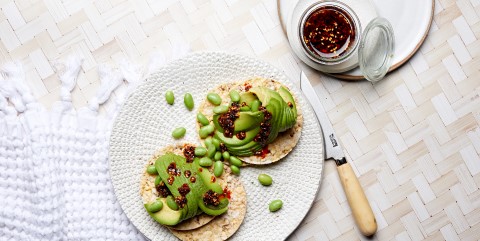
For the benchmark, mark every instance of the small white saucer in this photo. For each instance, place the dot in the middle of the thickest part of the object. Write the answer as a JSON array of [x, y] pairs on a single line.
[[410, 19]]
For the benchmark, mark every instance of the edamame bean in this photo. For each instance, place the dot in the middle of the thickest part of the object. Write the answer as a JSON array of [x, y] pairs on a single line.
[[226, 156], [208, 141], [202, 119], [188, 101], [216, 143], [220, 109], [179, 132], [255, 105], [171, 203], [235, 161], [235, 169], [211, 150], [218, 168], [218, 156], [234, 96], [151, 170], [205, 162], [169, 97], [200, 151], [157, 180], [155, 206], [275, 205], [265, 179], [205, 131], [245, 108], [214, 98]]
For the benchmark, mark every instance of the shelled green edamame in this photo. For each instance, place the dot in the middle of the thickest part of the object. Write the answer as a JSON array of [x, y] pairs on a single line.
[[235, 170], [218, 156], [235, 161], [202, 119], [214, 98], [205, 131], [218, 168], [275, 205], [265, 179], [234, 96], [205, 162], [155, 206], [151, 170], [220, 109], [188, 101], [200, 151], [171, 203], [169, 97], [158, 179], [179, 132]]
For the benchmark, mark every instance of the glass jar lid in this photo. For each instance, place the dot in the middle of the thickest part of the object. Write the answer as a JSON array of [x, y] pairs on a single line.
[[376, 48]]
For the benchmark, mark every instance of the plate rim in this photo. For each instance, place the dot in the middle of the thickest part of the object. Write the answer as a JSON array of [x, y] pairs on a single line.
[[392, 68], [306, 107]]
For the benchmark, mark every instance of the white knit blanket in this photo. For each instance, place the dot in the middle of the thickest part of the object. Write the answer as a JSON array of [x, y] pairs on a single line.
[[54, 171]]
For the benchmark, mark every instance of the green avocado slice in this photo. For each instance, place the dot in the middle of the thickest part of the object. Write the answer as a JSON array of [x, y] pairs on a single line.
[[247, 121], [216, 123], [287, 97], [206, 177], [161, 164], [274, 107], [166, 215], [234, 141], [214, 210], [248, 149], [247, 97]]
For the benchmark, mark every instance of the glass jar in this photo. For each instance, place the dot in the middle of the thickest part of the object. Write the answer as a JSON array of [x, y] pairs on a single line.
[[337, 36], [330, 32]]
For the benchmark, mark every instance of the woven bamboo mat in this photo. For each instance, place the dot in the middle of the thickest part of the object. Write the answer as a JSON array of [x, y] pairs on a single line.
[[414, 137]]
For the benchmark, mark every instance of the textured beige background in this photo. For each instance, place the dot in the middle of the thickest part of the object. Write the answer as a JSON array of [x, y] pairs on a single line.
[[414, 137]]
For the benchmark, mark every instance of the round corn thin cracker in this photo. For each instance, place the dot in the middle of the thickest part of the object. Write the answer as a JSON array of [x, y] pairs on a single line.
[[149, 193], [285, 141], [225, 225]]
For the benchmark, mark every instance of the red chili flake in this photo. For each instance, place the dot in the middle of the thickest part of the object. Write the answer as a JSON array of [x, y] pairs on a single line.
[[184, 189], [262, 153], [189, 153], [187, 173], [181, 201], [223, 148], [200, 169], [226, 194], [227, 119], [162, 190], [170, 180], [329, 32], [247, 86], [172, 169], [241, 135], [193, 179], [290, 104], [213, 179], [211, 198]]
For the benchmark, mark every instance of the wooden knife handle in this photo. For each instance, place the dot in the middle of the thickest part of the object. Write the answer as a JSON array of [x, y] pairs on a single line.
[[361, 210]]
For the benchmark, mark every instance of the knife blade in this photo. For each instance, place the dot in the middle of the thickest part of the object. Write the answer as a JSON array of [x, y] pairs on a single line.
[[332, 146], [361, 210]]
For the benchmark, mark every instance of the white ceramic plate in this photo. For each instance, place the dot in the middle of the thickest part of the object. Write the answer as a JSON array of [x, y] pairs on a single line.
[[410, 19], [145, 124]]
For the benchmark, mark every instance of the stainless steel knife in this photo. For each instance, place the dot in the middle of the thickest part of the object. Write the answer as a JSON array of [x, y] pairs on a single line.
[[361, 210]]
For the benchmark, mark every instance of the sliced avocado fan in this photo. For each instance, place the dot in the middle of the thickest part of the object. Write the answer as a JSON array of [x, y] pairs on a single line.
[[188, 183], [279, 104]]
